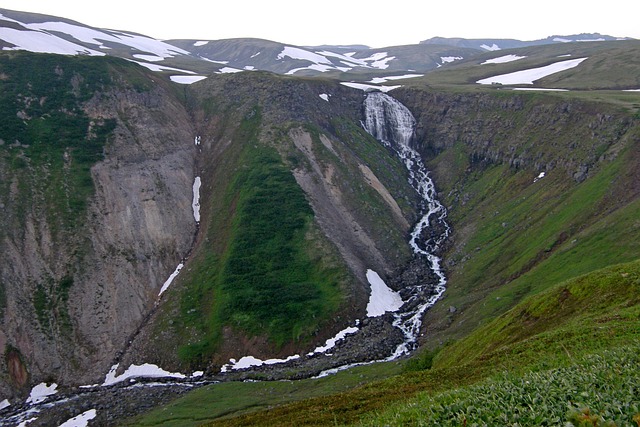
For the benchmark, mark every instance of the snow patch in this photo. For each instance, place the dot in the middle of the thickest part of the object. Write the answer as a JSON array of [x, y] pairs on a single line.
[[367, 87], [503, 59], [447, 59], [249, 361], [380, 60], [168, 282], [40, 392], [532, 74], [146, 370], [382, 297], [196, 198], [39, 42], [42, 39], [331, 342], [305, 55], [378, 80], [186, 80], [150, 58], [197, 374], [491, 48], [196, 140], [4, 404], [201, 43], [156, 67], [81, 420], [324, 96], [539, 177], [227, 70]]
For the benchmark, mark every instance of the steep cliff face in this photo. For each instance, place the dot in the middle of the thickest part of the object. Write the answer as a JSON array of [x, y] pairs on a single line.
[[95, 213], [534, 131]]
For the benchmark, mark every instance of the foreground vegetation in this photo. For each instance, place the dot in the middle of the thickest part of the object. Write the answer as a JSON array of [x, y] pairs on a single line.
[[570, 352]]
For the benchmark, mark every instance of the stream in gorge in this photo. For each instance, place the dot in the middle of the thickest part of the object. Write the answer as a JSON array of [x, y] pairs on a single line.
[[388, 333]]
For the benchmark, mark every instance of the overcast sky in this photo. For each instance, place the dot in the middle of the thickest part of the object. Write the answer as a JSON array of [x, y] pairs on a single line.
[[372, 22]]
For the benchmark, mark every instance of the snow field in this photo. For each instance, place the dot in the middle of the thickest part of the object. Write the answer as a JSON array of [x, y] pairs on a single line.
[[530, 75]]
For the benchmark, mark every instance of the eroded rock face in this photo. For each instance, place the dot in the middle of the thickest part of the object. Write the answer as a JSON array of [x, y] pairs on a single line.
[[73, 298]]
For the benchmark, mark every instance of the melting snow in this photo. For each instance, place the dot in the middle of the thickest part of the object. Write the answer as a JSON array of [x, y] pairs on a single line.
[[146, 370], [382, 297], [532, 74], [226, 70], [503, 59], [297, 53], [197, 374], [201, 43], [249, 361], [41, 39], [317, 67], [41, 392], [196, 140], [35, 41], [168, 282], [446, 59], [4, 404], [492, 47], [331, 342], [81, 420], [156, 67], [324, 96], [377, 80], [186, 80], [196, 198], [150, 58], [366, 87], [380, 60], [539, 177]]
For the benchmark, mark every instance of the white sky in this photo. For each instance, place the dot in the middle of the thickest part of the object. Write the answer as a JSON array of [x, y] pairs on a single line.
[[373, 23]]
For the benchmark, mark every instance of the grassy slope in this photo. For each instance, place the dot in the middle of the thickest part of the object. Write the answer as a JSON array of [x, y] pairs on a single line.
[[610, 65], [516, 237], [575, 344], [258, 271], [576, 341]]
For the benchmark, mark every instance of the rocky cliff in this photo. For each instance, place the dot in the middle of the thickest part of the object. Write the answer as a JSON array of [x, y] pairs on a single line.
[[90, 240]]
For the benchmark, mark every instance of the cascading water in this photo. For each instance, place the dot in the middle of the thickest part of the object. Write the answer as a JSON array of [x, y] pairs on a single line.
[[391, 123]]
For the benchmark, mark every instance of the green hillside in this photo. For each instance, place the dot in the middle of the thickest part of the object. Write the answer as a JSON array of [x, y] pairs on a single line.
[[572, 347]]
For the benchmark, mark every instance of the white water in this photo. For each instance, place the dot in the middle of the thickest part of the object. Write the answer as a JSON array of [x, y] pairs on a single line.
[[392, 123]]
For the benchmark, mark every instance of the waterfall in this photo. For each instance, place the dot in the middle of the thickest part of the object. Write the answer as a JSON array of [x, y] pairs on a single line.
[[391, 123]]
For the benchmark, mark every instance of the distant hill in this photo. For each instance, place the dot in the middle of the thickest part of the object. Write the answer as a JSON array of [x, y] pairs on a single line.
[[499, 44], [49, 34]]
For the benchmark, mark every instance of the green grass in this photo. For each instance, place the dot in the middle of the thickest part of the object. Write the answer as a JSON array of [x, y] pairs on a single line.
[[604, 385], [266, 274], [572, 346], [513, 237], [228, 400]]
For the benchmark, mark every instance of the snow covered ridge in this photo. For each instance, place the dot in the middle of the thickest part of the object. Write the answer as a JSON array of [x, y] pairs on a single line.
[[43, 37]]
